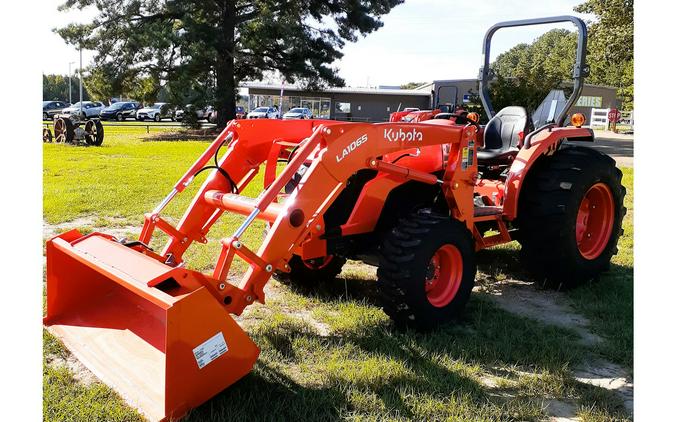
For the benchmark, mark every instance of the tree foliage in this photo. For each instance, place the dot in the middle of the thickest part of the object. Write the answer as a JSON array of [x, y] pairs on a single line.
[[412, 85], [55, 87], [224, 42], [525, 74], [610, 49]]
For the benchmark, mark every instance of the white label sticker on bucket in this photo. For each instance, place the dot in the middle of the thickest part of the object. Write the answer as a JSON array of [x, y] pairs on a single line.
[[210, 350]]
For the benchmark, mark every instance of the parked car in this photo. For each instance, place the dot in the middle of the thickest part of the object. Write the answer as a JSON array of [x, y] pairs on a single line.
[[239, 113], [298, 113], [89, 109], [50, 108], [210, 113], [264, 113], [156, 112], [178, 115], [120, 111]]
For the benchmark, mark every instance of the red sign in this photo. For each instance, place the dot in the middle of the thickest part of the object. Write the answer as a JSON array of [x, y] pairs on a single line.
[[613, 115]]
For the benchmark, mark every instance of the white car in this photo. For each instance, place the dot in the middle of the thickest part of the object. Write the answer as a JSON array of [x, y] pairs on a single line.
[[199, 112], [89, 109], [263, 113], [298, 113], [156, 112]]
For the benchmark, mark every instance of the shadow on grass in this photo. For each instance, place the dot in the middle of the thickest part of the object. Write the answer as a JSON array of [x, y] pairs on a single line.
[[370, 369], [366, 368], [269, 395]]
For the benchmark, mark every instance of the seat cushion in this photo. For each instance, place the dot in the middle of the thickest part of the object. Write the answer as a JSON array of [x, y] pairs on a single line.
[[503, 134]]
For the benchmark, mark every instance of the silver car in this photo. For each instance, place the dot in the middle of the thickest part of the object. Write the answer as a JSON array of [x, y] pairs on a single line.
[[263, 113], [89, 109], [298, 113]]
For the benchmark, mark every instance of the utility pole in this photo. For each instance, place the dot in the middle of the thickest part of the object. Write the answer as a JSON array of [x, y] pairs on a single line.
[[80, 79], [70, 84]]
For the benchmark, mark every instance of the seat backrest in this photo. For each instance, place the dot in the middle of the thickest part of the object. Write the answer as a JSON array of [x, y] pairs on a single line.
[[503, 131]]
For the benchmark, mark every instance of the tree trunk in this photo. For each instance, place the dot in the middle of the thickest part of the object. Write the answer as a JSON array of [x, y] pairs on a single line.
[[226, 90]]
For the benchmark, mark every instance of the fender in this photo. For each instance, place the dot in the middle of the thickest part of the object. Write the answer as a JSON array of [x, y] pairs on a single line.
[[545, 142]]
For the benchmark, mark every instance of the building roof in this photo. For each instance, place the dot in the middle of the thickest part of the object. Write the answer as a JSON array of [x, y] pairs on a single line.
[[338, 90]]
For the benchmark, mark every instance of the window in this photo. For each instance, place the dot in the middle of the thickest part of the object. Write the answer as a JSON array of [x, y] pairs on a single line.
[[343, 107]]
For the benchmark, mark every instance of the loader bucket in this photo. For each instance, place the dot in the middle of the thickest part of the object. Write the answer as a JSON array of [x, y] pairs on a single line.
[[150, 331]]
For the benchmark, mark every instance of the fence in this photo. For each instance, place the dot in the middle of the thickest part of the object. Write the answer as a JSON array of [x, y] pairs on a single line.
[[147, 126]]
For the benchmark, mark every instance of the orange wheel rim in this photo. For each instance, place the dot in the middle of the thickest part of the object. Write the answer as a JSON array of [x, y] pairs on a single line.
[[595, 220], [444, 276], [318, 263]]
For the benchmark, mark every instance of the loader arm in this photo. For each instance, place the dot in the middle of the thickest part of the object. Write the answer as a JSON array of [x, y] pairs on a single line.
[[161, 334], [335, 150]]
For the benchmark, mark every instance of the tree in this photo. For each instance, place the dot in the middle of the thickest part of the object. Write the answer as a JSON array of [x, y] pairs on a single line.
[[225, 41], [55, 87], [412, 85], [610, 49]]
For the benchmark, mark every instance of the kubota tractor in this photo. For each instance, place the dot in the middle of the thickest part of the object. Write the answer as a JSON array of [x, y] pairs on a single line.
[[416, 199]]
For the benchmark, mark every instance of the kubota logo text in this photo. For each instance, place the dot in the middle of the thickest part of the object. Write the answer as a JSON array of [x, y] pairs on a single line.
[[351, 147], [406, 135]]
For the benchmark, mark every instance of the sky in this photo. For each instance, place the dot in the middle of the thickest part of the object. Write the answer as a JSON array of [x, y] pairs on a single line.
[[421, 40]]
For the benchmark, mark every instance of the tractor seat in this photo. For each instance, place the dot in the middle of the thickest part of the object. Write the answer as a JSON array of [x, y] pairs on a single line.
[[503, 136]]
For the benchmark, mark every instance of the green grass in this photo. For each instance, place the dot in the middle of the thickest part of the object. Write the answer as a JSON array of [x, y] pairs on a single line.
[[333, 354], [608, 301]]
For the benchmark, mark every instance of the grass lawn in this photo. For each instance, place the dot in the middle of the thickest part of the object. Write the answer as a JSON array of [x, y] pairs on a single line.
[[333, 354]]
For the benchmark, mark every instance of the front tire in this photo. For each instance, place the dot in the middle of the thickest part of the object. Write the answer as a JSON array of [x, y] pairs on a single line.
[[570, 215], [309, 274], [427, 271], [120, 117]]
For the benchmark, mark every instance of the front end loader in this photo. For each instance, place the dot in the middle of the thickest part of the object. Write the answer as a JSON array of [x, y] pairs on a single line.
[[417, 199]]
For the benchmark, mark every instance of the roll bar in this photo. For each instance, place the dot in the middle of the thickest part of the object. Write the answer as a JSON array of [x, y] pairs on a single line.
[[581, 69]]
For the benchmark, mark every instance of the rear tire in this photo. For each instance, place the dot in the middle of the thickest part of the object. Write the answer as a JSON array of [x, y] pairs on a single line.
[[570, 215], [427, 271]]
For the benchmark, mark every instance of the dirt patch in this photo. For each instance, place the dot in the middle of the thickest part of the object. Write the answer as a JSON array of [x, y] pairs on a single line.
[[546, 306], [79, 371], [560, 410], [609, 376], [552, 308]]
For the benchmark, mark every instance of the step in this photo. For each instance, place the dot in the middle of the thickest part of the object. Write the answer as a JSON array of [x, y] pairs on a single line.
[[487, 211]]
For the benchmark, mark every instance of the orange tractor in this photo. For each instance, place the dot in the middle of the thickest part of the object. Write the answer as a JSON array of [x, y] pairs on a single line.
[[416, 199]]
